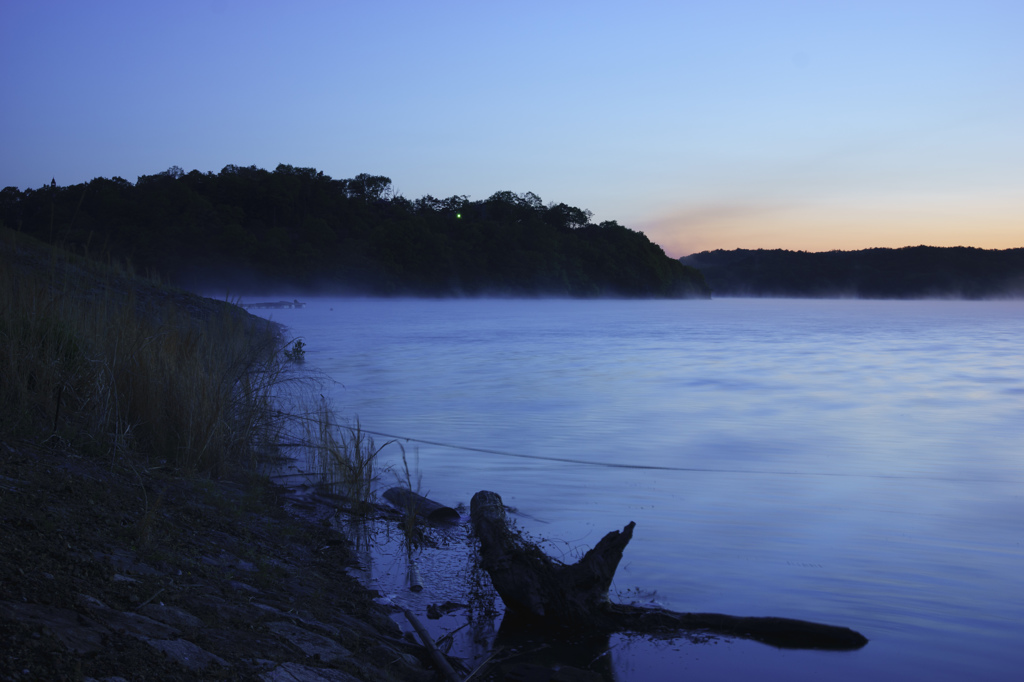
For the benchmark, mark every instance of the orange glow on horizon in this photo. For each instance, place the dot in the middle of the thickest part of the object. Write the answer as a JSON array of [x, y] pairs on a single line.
[[826, 227]]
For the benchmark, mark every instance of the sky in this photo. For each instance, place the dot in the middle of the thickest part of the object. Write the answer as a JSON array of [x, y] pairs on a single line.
[[706, 125]]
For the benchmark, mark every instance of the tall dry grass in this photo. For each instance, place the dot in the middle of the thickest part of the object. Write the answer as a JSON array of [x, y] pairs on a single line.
[[111, 363], [345, 458]]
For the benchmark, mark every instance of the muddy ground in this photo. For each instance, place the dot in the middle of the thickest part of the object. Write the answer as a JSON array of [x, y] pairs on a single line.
[[108, 571]]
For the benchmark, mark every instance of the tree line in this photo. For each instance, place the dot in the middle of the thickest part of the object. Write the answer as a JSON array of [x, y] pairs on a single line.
[[253, 230], [910, 272]]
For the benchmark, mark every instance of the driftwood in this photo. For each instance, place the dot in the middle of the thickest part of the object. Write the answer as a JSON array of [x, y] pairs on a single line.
[[532, 585], [439, 660], [539, 591], [405, 499]]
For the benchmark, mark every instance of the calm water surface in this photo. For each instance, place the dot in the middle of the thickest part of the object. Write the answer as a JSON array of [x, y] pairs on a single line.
[[858, 463]]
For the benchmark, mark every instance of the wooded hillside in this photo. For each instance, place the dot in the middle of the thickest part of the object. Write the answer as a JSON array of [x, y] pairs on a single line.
[[911, 272], [252, 230]]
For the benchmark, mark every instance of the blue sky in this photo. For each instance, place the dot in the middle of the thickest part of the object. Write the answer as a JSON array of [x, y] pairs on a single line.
[[802, 125]]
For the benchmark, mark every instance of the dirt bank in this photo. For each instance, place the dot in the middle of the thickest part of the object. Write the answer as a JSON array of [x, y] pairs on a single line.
[[108, 571]]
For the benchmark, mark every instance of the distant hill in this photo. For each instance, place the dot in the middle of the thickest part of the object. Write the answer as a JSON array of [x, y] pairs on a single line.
[[911, 272], [256, 231]]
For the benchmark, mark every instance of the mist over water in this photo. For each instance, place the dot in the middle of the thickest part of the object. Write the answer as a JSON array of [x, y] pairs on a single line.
[[852, 462]]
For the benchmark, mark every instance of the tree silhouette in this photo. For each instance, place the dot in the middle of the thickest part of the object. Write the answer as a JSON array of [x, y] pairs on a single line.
[[297, 227]]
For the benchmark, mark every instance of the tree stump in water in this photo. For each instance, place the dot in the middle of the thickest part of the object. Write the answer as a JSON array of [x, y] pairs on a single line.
[[533, 585], [541, 591]]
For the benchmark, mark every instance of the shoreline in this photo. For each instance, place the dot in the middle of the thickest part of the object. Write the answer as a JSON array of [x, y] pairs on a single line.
[[168, 556], [109, 571]]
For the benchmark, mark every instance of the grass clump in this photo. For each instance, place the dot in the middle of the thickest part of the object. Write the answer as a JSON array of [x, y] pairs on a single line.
[[412, 530], [106, 361], [297, 351], [346, 459]]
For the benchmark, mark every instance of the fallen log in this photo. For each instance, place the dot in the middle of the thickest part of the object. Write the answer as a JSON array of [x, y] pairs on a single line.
[[542, 592], [405, 499]]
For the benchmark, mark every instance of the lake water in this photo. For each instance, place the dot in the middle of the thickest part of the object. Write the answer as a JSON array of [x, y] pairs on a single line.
[[857, 463]]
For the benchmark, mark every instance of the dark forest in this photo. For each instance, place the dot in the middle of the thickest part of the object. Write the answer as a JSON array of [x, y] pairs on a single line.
[[910, 272], [250, 230]]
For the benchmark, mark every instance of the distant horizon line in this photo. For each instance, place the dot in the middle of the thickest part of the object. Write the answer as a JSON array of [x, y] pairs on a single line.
[[652, 235], [869, 248]]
